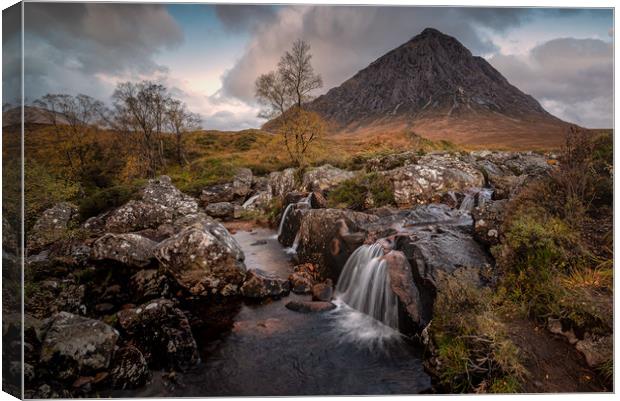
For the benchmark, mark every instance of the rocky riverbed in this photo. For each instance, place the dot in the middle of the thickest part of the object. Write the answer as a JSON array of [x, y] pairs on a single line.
[[171, 295]]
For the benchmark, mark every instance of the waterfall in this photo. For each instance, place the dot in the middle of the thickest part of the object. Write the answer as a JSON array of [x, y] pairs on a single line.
[[304, 201], [364, 285], [469, 202]]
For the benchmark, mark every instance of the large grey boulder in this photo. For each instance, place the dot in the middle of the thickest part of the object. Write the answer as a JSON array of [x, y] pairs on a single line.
[[242, 182], [137, 215], [324, 178], [129, 249], [433, 175], [160, 203], [77, 346], [217, 193], [221, 210], [51, 226], [203, 258], [281, 182]]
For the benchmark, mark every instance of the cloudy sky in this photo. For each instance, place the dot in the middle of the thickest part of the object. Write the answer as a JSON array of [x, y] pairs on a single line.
[[210, 55]]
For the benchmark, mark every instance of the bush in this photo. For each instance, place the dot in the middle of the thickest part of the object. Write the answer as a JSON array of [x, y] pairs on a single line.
[[358, 193], [472, 349], [106, 199]]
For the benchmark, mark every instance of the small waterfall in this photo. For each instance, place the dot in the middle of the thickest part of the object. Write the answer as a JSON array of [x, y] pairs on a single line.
[[364, 285], [304, 201], [475, 197]]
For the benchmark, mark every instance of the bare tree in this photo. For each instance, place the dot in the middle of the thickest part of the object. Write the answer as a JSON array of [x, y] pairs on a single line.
[[283, 93], [180, 120], [297, 72], [140, 110]]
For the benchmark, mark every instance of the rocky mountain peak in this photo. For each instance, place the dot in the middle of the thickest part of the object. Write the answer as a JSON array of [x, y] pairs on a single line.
[[431, 75]]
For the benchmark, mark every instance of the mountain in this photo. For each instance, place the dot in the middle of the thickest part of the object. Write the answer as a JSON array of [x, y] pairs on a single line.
[[434, 86]]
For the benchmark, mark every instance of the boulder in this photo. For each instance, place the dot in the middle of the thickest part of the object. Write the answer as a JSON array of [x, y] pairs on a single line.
[[323, 291], [403, 285], [595, 349], [433, 175], [310, 306], [217, 193], [129, 368], [259, 284], [160, 191], [137, 215], [281, 182], [222, 210], [162, 332], [77, 346], [293, 197], [242, 182], [292, 215], [324, 178], [303, 278], [325, 238], [148, 284], [488, 220], [203, 258], [129, 249], [318, 201], [53, 225]]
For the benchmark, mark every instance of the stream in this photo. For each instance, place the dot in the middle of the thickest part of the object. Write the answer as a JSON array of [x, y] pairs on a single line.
[[273, 351]]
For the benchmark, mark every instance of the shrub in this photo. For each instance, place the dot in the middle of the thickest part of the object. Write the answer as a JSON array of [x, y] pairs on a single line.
[[472, 348], [370, 190]]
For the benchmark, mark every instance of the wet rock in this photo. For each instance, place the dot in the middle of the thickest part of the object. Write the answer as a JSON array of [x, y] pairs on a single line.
[[596, 350], [293, 197], [129, 249], [76, 346], [303, 278], [281, 182], [222, 210], [403, 285], [217, 193], [203, 258], [242, 182], [162, 332], [325, 238], [258, 201], [452, 199], [292, 222], [507, 186], [259, 284], [433, 175], [53, 225], [324, 178], [301, 282], [129, 368], [310, 307], [148, 284], [323, 291], [137, 215], [488, 220], [318, 201]]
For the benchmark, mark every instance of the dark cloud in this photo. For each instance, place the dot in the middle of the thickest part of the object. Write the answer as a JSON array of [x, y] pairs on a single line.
[[572, 78], [345, 39], [78, 41], [245, 17]]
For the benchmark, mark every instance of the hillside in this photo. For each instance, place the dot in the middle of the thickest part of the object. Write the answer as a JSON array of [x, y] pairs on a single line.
[[435, 87]]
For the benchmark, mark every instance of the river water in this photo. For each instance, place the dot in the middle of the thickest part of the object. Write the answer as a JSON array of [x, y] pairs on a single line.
[[272, 351]]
